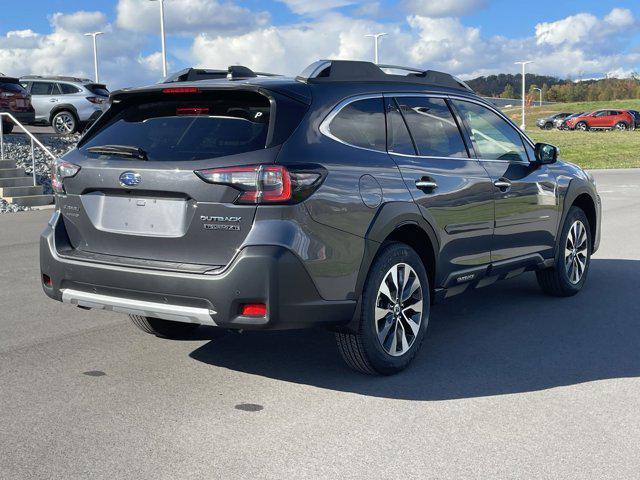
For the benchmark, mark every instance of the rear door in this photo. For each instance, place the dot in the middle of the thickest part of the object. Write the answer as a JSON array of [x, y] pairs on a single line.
[[526, 208], [44, 97], [452, 189], [159, 209]]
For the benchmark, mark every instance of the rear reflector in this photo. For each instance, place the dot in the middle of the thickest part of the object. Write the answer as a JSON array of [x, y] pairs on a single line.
[[181, 90], [253, 310], [46, 280]]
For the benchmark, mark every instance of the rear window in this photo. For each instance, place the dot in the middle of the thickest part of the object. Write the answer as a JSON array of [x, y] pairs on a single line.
[[12, 87], [97, 89], [189, 127]]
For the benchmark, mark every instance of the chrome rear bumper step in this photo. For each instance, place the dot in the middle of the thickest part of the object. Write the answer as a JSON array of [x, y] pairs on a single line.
[[175, 313]]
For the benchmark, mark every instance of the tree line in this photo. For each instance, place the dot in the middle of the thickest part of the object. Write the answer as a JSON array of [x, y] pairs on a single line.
[[557, 90]]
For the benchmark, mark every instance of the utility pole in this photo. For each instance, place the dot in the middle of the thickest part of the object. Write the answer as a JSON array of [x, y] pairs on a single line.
[[162, 36], [95, 53], [540, 90], [524, 91], [376, 37]]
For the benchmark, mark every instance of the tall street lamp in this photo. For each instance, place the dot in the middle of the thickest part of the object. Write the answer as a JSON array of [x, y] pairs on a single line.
[[524, 64], [164, 50], [540, 90], [95, 53], [376, 37]]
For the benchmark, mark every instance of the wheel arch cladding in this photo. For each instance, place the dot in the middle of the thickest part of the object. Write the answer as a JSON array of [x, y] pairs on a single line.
[[587, 205], [59, 108]]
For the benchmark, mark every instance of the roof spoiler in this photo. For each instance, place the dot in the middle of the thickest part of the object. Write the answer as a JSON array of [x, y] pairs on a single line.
[[4, 79], [356, 71], [233, 72]]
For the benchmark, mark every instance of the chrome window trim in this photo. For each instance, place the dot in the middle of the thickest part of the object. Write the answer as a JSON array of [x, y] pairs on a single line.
[[326, 131]]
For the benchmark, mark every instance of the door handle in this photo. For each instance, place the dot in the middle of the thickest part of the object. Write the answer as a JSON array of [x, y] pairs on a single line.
[[426, 183], [53, 100], [503, 184]]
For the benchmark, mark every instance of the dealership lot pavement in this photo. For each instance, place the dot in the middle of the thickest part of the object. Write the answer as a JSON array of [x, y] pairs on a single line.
[[509, 384]]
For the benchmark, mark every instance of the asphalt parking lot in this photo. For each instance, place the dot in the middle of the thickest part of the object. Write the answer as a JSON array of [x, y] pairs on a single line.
[[509, 384]]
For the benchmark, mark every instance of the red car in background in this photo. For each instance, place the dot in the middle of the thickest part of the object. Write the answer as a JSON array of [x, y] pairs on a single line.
[[602, 119], [15, 100]]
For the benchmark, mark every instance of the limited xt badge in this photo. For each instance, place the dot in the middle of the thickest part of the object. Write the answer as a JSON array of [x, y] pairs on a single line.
[[220, 223]]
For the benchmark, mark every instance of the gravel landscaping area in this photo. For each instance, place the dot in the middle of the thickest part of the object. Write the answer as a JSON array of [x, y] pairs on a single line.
[[18, 148]]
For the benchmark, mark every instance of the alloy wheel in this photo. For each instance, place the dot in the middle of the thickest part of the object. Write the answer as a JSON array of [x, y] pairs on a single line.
[[64, 123], [575, 252], [398, 312]]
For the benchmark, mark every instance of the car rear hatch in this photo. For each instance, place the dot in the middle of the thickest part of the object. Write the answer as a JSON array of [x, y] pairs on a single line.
[[138, 195]]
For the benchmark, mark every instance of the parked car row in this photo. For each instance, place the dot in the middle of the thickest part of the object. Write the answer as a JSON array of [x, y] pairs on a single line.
[[68, 104], [598, 120]]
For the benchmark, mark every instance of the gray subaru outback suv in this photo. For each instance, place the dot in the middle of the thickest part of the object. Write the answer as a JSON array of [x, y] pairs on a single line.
[[68, 104], [350, 198]]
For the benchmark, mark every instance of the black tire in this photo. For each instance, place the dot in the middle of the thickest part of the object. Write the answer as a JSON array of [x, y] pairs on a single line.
[[548, 126], [65, 122], [7, 128], [622, 126], [363, 351], [583, 126], [555, 280], [163, 328]]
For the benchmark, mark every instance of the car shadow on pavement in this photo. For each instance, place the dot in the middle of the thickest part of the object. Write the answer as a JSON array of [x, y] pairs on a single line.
[[508, 338]]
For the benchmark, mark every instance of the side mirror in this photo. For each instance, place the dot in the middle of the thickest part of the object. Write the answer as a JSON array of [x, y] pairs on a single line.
[[546, 153]]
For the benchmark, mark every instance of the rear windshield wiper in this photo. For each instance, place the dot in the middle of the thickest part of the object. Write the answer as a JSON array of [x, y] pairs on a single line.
[[120, 150]]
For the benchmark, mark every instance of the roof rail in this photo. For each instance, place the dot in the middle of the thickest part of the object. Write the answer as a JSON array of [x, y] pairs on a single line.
[[233, 72], [56, 77], [358, 71]]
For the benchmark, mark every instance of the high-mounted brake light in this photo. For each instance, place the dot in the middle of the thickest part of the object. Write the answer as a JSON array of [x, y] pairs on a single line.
[[62, 170], [181, 90], [260, 184]]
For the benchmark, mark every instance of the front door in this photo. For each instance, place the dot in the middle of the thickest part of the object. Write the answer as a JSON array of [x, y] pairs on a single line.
[[526, 209], [44, 97], [452, 190]]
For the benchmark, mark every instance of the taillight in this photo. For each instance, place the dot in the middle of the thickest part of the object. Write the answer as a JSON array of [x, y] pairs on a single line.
[[181, 90], [259, 184], [62, 170], [97, 100]]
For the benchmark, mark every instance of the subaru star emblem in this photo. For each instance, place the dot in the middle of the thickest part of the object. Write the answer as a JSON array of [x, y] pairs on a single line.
[[130, 179]]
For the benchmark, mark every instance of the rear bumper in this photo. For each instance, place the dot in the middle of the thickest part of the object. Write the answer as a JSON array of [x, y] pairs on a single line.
[[22, 117], [259, 274]]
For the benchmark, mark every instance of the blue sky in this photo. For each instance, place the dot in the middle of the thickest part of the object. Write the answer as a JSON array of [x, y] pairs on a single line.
[[466, 37]]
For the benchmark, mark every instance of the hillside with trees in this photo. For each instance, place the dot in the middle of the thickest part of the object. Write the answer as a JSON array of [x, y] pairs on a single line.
[[557, 90]]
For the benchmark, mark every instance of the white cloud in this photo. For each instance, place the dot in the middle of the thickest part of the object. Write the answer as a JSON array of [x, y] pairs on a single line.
[[305, 7], [66, 51], [442, 8], [79, 21], [188, 17]]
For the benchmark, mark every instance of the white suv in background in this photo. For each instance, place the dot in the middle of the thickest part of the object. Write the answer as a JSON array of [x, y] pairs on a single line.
[[68, 104]]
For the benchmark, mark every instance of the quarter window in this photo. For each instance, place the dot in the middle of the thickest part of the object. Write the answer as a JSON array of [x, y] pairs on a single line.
[[432, 126], [492, 136], [67, 89], [361, 124]]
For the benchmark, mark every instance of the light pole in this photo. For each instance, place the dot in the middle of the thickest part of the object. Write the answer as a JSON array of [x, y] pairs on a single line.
[[375, 37], [95, 53], [524, 64], [164, 50], [540, 90]]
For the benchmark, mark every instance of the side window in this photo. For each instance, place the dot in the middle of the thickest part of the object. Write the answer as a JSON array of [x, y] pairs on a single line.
[[602, 113], [361, 124], [432, 127], [492, 136], [67, 89], [399, 140], [43, 88]]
